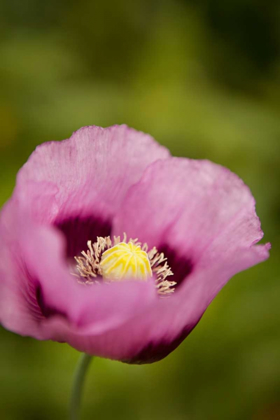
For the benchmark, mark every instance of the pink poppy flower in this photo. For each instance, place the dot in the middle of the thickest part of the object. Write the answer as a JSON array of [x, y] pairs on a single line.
[[111, 245]]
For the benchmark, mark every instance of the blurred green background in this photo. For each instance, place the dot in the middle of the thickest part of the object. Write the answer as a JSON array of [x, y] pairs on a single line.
[[203, 77]]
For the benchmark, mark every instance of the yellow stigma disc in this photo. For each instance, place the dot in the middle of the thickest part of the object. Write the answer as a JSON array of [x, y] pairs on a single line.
[[125, 261]]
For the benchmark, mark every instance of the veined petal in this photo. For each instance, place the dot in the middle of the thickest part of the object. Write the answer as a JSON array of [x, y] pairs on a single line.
[[90, 172], [79, 183], [202, 211]]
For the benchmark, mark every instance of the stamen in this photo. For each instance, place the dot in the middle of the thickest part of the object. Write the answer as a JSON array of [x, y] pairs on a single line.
[[116, 260]]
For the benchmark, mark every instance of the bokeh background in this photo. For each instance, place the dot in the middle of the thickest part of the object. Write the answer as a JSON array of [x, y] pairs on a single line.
[[203, 77]]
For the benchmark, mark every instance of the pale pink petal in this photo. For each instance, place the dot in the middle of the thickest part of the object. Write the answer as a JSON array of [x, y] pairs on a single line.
[[19, 310], [38, 291], [197, 211], [79, 183], [95, 166], [152, 336]]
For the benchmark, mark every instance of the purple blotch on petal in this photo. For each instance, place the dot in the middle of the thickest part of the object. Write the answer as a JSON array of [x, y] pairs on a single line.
[[79, 230], [181, 266], [47, 311], [153, 352], [30, 294]]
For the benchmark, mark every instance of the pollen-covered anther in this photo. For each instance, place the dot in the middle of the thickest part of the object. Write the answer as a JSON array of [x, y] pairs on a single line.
[[123, 260]]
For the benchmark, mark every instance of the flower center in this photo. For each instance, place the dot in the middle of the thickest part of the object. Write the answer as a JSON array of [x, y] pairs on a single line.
[[116, 260], [125, 261]]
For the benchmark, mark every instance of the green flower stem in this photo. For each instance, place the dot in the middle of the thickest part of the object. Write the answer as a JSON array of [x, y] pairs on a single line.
[[78, 383]]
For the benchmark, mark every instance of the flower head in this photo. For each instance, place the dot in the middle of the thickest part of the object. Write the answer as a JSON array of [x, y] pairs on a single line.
[[111, 245]]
